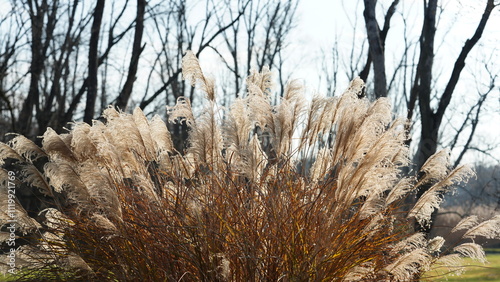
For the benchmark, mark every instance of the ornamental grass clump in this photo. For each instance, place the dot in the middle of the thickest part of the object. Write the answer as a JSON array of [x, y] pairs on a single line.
[[294, 192]]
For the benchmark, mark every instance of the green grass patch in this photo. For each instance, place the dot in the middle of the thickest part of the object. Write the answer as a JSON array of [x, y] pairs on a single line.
[[475, 271]]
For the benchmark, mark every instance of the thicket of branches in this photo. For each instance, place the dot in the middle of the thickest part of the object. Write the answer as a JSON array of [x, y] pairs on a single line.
[[62, 61], [66, 61]]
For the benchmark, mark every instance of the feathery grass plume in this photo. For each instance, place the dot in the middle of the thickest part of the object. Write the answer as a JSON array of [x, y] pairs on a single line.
[[318, 120], [257, 160], [82, 143], [453, 263], [408, 265], [104, 223], [433, 197], [7, 152], [4, 177], [400, 190], [243, 149], [413, 242], [489, 229], [435, 168], [161, 136], [360, 273], [64, 178], [205, 138], [259, 90], [471, 250], [263, 80], [25, 152], [237, 129], [100, 188], [13, 211], [56, 146], [124, 134], [143, 126], [181, 112], [285, 118], [294, 192], [466, 223], [356, 87], [34, 178], [53, 219], [26, 148], [191, 71], [321, 165], [435, 244]]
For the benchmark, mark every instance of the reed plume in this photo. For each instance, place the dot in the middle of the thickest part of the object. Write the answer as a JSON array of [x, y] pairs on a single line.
[[293, 191]]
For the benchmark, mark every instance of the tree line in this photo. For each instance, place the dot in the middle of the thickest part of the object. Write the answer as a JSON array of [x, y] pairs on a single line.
[[64, 61]]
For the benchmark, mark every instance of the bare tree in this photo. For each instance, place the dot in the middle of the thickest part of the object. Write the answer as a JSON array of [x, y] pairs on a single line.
[[263, 38], [422, 86], [376, 40], [93, 61], [137, 49], [431, 119], [53, 35], [76, 54], [11, 33], [43, 19], [376, 48], [423, 92], [330, 67], [182, 37], [113, 39]]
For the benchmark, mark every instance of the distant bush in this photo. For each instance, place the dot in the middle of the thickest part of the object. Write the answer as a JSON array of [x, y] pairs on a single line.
[[293, 192]]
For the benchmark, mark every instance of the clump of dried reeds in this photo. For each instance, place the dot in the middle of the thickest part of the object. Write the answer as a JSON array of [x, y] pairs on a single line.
[[294, 192]]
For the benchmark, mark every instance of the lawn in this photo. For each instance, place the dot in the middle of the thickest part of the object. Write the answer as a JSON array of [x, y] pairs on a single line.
[[477, 271]]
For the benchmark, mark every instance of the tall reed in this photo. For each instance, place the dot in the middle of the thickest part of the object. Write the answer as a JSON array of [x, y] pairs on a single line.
[[293, 192]]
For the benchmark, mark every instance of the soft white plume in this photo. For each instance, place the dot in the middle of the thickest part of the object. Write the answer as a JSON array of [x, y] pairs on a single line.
[[191, 71], [433, 197], [471, 250], [407, 265], [466, 223], [489, 229]]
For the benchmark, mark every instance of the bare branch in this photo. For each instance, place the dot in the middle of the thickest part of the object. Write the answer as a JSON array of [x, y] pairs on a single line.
[[460, 62]]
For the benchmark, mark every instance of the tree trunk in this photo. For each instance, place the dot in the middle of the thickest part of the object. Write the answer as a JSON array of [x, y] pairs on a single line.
[[37, 15], [430, 125], [137, 49], [93, 62], [48, 115], [430, 119], [383, 35], [376, 49]]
